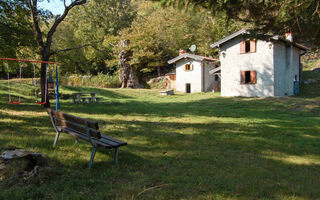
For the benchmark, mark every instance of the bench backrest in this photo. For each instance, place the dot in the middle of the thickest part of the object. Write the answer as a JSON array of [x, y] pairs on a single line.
[[75, 123]]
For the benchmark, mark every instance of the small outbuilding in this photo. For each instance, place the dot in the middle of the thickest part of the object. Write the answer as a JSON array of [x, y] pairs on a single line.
[[259, 67], [196, 73]]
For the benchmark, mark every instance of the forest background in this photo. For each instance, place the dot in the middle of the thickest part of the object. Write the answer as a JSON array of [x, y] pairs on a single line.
[[91, 33]]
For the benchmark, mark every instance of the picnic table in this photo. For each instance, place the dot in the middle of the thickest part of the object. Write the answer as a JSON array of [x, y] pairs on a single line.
[[85, 97]]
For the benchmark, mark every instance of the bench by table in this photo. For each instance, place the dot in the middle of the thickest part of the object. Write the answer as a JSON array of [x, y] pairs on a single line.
[[83, 97], [83, 129]]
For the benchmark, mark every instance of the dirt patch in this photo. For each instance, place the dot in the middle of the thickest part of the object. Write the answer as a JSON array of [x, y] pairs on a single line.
[[20, 164]]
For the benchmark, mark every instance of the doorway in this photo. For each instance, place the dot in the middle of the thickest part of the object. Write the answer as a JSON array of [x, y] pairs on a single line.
[[188, 87]]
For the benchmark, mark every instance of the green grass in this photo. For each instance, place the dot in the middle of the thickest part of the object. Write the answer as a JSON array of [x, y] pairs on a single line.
[[195, 146]]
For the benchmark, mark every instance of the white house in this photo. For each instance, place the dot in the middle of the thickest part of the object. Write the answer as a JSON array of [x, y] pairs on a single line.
[[256, 67], [195, 73]]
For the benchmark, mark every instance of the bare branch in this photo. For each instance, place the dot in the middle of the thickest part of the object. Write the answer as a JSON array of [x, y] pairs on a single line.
[[114, 45], [36, 27], [60, 19], [78, 47]]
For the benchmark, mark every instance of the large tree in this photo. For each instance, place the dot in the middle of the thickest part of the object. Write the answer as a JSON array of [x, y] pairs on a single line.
[[302, 17], [91, 22], [157, 34], [44, 40]]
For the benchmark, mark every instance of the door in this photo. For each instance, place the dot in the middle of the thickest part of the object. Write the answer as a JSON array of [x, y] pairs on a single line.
[[188, 88]]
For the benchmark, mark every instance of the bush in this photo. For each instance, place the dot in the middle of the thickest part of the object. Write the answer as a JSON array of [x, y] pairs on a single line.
[[99, 81]]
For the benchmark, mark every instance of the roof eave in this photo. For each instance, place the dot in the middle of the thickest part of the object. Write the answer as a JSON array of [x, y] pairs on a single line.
[[230, 37], [184, 56]]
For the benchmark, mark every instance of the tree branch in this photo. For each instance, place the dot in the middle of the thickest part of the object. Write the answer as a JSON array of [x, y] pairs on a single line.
[[78, 47], [60, 19], [36, 27]]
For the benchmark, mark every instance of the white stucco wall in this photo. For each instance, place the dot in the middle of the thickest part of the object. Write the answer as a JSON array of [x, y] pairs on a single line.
[[261, 61], [208, 77], [193, 77], [286, 68]]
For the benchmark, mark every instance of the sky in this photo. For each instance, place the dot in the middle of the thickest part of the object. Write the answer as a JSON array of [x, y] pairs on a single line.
[[55, 6]]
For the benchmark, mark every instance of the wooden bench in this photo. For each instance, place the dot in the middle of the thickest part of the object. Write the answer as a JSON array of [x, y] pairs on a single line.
[[84, 129]]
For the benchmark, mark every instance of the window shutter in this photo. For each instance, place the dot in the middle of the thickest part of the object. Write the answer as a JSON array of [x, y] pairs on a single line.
[[185, 67], [191, 67], [242, 77], [253, 44], [253, 77], [243, 46]]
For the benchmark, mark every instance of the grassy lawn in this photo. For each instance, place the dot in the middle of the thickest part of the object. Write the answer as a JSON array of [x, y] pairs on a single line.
[[195, 146]]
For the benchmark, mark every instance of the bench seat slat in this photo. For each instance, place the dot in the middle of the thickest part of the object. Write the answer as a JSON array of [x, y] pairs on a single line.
[[101, 142], [78, 127], [121, 143], [109, 142]]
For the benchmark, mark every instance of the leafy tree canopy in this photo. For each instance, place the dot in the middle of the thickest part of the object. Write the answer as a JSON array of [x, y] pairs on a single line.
[[15, 28], [157, 34], [302, 17], [95, 23]]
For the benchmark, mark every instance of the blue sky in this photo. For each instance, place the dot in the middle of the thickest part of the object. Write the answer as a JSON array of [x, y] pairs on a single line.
[[55, 6]]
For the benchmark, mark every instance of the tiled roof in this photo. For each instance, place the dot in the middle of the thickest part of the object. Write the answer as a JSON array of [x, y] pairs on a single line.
[[245, 32], [192, 56]]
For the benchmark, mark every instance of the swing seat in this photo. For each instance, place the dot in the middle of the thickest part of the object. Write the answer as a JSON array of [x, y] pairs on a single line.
[[41, 103], [15, 102]]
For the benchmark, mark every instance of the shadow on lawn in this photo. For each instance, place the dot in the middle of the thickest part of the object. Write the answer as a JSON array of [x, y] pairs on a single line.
[[243, 160], [255, 108], [100, 92], [245, 163]]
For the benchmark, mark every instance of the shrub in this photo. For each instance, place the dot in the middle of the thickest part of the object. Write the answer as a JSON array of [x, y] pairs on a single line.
[[98, 81]]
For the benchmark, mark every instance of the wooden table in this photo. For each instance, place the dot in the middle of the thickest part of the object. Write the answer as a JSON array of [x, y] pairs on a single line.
[[85, 97]]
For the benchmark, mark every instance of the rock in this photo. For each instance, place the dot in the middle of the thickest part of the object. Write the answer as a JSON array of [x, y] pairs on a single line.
[[18, 153], [30, 162]]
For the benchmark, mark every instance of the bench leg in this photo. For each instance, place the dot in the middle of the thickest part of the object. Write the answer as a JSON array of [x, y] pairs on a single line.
[[56, 139], [116, 156], [92, 157]]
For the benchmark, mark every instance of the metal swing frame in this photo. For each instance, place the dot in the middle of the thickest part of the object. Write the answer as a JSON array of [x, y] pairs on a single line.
[[9, 90], [32, 61]]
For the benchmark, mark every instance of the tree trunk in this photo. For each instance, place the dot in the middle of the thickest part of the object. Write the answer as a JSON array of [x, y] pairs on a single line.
[[44, 88], [127, 73], [124, 58]]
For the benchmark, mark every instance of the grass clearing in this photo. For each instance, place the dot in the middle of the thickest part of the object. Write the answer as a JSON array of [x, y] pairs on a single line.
[[185, 146]]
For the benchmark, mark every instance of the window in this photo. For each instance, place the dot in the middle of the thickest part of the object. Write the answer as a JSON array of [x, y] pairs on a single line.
[[248, 46], [248, 77], [188, 67]]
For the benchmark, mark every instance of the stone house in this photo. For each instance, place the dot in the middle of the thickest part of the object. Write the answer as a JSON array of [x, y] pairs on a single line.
[[259, 67], [195, 73]]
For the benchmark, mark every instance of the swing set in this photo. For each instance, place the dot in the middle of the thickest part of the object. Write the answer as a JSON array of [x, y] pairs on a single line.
[[34, 62]]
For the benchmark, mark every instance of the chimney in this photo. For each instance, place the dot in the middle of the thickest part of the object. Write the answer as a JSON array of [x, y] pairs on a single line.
[[181, 51], [289, 36]]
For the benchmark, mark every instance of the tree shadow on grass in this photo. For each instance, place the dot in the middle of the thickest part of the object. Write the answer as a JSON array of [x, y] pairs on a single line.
[[255, 108], [195, 159], [216, 159], [99, 92], [245, 149]]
